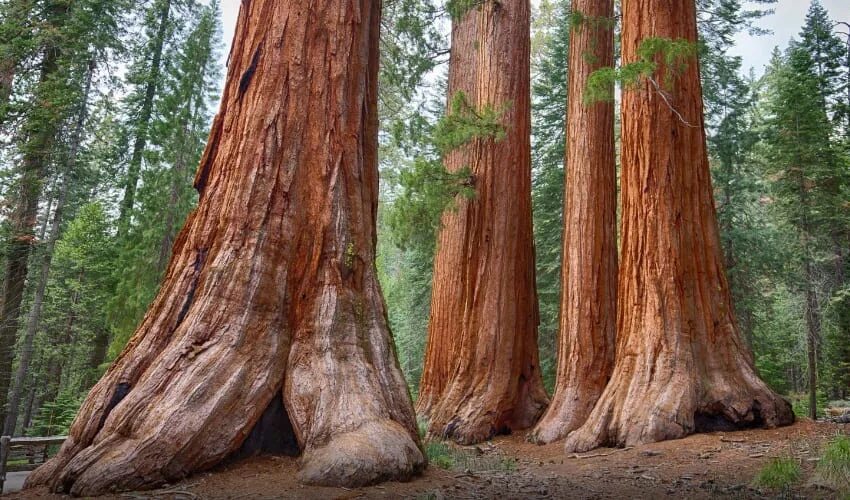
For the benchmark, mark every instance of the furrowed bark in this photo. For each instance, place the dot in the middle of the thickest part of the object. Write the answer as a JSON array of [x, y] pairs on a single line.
[[587, 323], [681, 364], [272, 288], [482, 374]]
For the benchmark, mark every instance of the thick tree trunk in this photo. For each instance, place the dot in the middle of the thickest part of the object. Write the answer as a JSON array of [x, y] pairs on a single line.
[[681, 364], [482, 374], [587, 324], [34, 318], [143, 122], [272, 287], [23, 220]]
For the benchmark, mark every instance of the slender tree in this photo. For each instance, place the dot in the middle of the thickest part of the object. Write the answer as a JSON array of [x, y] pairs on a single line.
[[34, 317], [681, 364], [272, 289], [42, 124], [159, 27], [177, 132], [589, 271], [802, 168], [482, 374]]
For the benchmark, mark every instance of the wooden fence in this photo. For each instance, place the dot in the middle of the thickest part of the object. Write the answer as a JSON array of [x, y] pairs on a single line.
[[24, 453]]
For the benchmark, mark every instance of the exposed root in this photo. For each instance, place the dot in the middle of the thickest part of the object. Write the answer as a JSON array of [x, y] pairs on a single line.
[[375, 452]]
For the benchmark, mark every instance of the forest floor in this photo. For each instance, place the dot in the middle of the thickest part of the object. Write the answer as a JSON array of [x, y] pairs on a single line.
[[717, 465]]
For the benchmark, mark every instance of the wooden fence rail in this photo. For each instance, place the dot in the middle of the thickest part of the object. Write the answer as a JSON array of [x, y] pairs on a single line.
[[24, 453]]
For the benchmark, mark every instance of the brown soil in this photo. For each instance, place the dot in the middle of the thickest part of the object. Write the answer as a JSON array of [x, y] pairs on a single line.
[[718, 465]]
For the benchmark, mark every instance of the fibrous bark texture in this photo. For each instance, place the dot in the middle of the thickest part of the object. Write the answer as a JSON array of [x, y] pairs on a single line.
[[681, 365], [272, 290], [587, 322], [482, 374]]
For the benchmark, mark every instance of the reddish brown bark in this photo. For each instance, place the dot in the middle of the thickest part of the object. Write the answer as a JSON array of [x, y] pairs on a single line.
[[681, 364], [482, 374], [589, 272], [272, 287]]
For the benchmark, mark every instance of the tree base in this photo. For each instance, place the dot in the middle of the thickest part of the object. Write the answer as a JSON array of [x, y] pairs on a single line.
[[672, 413], [469, 420], [567, 413], [376, 452]]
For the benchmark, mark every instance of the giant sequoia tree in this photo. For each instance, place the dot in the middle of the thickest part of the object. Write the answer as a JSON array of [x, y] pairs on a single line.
[[589, 271], [482, 373], [269, 330], [681, 364]]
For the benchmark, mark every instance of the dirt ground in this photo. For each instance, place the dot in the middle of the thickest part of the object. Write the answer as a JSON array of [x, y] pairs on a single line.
[[718, 465]]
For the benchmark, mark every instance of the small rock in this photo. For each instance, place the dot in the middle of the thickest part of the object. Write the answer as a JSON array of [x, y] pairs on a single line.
[[651, 453]]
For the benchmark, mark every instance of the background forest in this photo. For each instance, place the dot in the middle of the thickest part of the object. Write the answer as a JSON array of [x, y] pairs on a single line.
[[105, 107]]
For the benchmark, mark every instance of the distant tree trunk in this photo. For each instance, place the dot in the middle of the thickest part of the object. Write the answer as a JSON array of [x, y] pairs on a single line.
[[812, 306], [22, 222], [812, 329], [7, 77], [177, 176], [34, 387], [100, 347], [272, 288], [681, 364], [26, 419], [143, 122], [56, 362], [587, 324], [55, 229], [482, 372]]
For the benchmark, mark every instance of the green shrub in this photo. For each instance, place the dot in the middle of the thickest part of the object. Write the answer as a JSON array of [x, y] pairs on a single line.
[[780, 473], [450, 457], [439, 454], [834, 466]]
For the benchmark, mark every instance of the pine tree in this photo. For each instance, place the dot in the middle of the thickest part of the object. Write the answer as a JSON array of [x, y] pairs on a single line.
[[70, 38], [176, 137], [801, 166], [549, 111], [163, 24], [826, 52], [819, 38]]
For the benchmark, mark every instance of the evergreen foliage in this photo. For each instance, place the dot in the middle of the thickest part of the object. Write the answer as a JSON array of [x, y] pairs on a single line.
[[654, 55], [549, 111]]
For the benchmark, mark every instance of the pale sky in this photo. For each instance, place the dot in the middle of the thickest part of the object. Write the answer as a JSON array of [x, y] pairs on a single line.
[[784, 24]]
